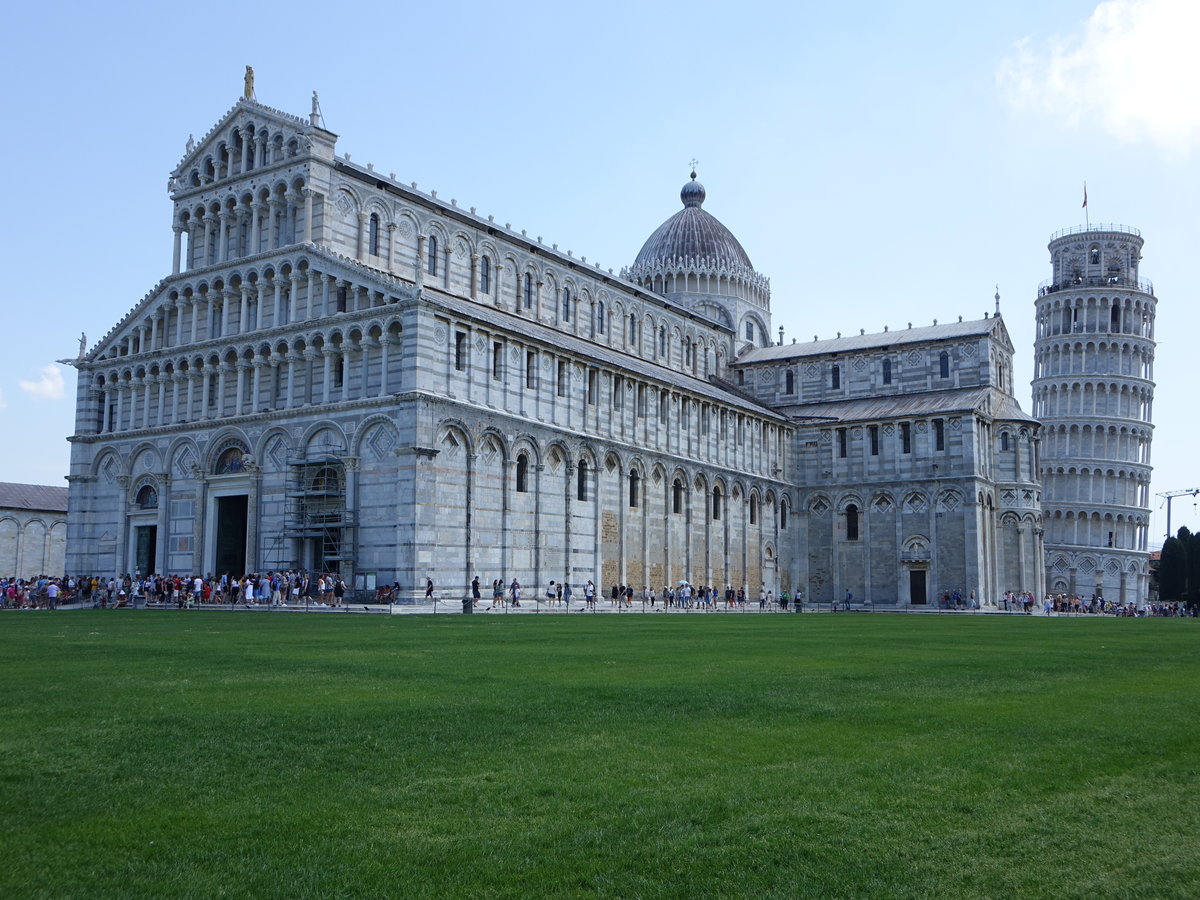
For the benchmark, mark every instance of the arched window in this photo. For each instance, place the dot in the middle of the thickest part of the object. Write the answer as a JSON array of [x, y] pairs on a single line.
[[1004, 440], [326, 481], [566, 304], [662, 340], [852, 522], [944, 364], [1094, 256], [835, 376], [527, 292], [753, 510], [716, 500], [432, 265], [599, 317], [887, 371], [230, 462], [677, 497], [581, 481], [522, 473], [782, 516], [373, 235], [789, 382], [147, 497], [485, 275], [633, 335], [633, 488]]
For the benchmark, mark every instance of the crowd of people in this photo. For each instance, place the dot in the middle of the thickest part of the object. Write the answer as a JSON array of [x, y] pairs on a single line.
[[560, 593], [43, 592], [280, 589], [294, 588]]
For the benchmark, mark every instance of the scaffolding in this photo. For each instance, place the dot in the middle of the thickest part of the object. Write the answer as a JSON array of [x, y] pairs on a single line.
[[318, 528]]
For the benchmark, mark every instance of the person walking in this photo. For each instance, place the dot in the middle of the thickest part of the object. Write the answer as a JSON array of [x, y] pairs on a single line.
[[475, 591], [428, 588]]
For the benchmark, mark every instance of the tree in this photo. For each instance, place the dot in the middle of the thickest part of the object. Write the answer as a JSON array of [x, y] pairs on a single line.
[[1192, 597], [1173, 566]]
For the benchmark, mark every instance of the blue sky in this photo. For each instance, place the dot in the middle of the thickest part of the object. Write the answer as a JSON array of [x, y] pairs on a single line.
[[881, 162]]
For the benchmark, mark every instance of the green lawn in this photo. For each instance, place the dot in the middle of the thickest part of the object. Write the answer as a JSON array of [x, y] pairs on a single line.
[[204, 754]]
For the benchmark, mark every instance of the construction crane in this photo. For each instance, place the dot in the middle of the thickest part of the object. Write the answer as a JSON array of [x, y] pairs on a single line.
[[1168, 496]]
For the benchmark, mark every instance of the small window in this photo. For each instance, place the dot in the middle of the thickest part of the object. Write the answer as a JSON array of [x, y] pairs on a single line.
[[716, 503], [373, 236], [783, 516], [887, 371], [641, 400], [841, 436], [944, 364], [1004, 440], [753, 510], [581, 479], [485, 275], [618, 395], [527, 291], [852, 522], [939, 434], [789, 382], [530, 369], [873, 433], [662, 340], [677, 497], [340, 299], [563, 367], [633, 488], [835, 376], [566, 304], [460, 351], [1094, 256], [600, 317], [432, 264], [906, 437], [497, 360], [522, 473], [593, 388], [633, 330], [749, 331], [663, 407]]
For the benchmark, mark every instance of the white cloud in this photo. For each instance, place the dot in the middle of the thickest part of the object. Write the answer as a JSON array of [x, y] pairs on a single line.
[[48, 387], [1130, 68]]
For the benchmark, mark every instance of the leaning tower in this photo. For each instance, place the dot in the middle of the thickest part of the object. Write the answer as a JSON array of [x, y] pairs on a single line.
[[1093, 390]]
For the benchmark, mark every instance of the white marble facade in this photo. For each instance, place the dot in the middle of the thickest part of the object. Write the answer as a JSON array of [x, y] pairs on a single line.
[[1093, 390], [343, 372]]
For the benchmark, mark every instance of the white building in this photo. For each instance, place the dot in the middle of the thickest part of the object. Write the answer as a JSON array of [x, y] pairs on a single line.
[[342, 372], [33, 529], [1093, 390]]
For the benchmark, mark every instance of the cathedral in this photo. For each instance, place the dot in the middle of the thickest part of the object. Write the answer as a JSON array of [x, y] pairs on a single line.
[[343, 373]]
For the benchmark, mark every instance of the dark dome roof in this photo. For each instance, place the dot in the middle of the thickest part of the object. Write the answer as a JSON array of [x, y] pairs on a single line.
[[693, 233]]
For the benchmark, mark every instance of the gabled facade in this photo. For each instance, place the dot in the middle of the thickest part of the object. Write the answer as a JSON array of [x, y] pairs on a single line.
[[344, 373]]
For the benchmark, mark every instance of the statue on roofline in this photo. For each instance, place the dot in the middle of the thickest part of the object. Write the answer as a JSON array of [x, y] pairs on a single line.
[[248, 89]]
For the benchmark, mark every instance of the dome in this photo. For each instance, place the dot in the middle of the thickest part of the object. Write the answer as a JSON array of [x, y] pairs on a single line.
[[693, 234]]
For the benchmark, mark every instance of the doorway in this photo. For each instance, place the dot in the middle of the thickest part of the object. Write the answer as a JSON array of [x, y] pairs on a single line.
[[146, 538], [916, 587], [231, 535]]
